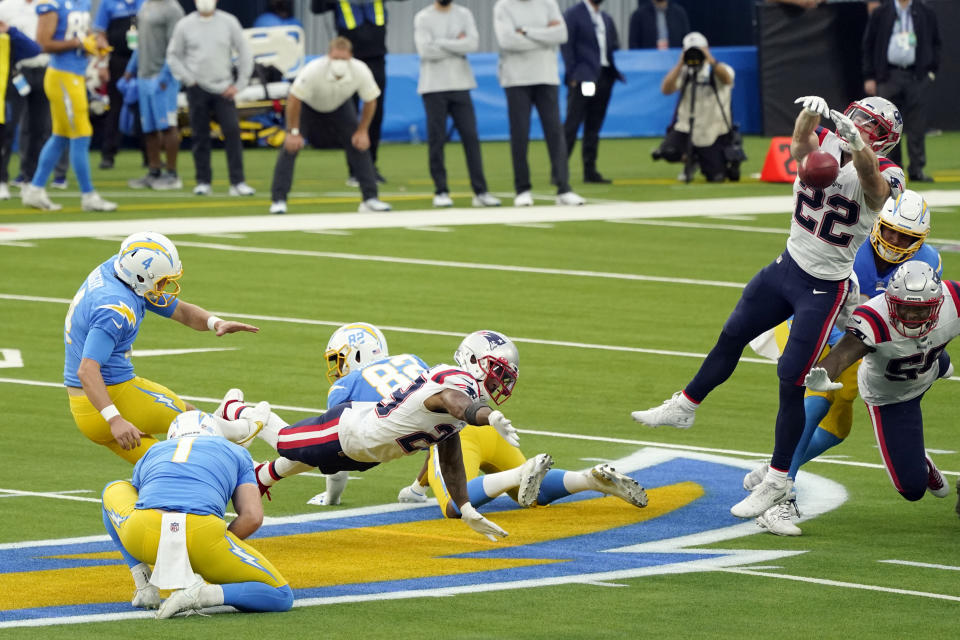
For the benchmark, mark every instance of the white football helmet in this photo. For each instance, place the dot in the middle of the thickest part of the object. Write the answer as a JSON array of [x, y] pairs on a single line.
[[879, 119], [150, 264], [914, 297], [193, 423], [493, 360], [908, 215], [352, 347]]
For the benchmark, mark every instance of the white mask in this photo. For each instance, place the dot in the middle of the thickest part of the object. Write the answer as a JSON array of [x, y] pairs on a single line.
[[206, 6], [339, 68]]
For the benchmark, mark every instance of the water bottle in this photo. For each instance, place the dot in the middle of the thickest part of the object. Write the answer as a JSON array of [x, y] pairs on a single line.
[[414, 134], [132, 37], [21, 85]]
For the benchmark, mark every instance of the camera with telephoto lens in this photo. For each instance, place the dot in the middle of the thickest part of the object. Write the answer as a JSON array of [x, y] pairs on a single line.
[[693, 58]]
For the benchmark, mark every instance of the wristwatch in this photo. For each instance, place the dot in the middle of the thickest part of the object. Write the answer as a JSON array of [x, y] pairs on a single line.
[[295, 131]]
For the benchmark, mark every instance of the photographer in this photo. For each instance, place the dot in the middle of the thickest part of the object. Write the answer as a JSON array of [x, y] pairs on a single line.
[[704, 109]]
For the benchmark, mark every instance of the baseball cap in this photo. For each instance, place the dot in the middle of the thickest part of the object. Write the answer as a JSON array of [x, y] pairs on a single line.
[[694, 39]]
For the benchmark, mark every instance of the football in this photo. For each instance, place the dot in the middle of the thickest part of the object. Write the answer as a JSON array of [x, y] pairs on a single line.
[[819, 169]]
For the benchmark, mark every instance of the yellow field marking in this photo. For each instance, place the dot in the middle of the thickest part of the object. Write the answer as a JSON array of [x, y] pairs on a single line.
[[368, 554]]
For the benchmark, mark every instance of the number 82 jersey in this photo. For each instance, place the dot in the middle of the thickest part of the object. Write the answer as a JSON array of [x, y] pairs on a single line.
[[829, 225]]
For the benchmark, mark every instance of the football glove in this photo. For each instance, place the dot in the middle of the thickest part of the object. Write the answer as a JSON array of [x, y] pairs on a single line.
[[504, 427], [847, 130], [814, 105], [478, 523], [819, 380], [92, 46]]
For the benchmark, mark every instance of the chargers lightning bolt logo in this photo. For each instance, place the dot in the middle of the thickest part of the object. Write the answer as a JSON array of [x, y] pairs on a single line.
[[160, 398], [125, 312]]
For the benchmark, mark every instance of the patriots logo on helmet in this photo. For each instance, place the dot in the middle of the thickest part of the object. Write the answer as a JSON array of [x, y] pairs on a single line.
[[895, 183], [897, 116], [495, 339]]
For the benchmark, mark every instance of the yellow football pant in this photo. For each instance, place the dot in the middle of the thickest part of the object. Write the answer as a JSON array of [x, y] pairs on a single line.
[[215, 553], [69, 110]]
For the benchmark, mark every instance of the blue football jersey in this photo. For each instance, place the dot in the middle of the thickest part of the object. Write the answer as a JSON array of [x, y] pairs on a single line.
[[73, 21], [192, 475], [377, 380], [106, 306]]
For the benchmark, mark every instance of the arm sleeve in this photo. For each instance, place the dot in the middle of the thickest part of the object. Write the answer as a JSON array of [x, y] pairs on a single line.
[[427, 49], [468, 44], [21, 46], [166, 311], [506, 32], [555, 35], [99, 345], [245, 474], [245, 56], [176, 53], [368, 89]]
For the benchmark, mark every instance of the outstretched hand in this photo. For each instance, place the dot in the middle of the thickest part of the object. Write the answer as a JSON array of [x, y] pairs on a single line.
[[504, 427], [232, 326], [814, 105], [847, 130], [819, 380]]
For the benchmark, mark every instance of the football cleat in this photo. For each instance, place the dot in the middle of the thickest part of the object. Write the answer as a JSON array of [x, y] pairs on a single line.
[[264, 489], [231, 405], [278, 206], [523, 199], [765, 495], [241, 189], [442, 200], [671, 413], [531, 477], [485, 200], [93, 202], [147, 597], [755, 477], [617, 484], [257, 418], [202, 189], [936, 483], [37, 198], [182, 600], [409, 495], [373, 205], [570, 199], [778, 519]]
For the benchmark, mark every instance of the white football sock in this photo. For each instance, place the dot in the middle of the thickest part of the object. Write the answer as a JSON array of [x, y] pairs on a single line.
[[496, 483]]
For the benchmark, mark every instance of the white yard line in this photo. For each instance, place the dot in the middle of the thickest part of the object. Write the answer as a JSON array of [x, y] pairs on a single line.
[[922, 565], [837, 583]]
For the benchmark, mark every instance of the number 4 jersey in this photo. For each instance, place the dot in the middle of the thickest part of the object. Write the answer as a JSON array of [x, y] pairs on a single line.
[[901, 368], [829, 225], [400, 424]]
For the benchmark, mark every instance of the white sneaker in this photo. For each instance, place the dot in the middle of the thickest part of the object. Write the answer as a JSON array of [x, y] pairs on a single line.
[[409, 495], [352, 182], [93, 202], [531, 477], [617, 484], [143, 182], [755, 477], [37, 198], [778, 519], [241, 189], [4, 191], [936, 483], [166, 182], [202, 189], [671, 413], [524, 199], [485, 200], [570, 199], [230, 397], [279, 206], [765, 495], [181, 600], [372, 205], [442, 200]]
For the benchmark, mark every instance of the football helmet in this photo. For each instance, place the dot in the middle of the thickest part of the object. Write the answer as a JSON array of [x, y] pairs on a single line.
[[149, 263], [914, 297], [493, 360], [879, 119], [193, 423], [353, 346], [908, 215]]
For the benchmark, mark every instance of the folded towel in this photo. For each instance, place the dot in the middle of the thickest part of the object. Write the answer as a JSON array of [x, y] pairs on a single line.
[[173, 570]]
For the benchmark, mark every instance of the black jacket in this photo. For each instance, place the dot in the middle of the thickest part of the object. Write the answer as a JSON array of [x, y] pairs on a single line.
[[643, 25], [581, 51], [369, 39], [876, 40]]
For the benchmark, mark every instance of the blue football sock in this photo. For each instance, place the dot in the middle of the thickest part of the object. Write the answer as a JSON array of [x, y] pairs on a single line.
[[815, 408], [257, 596], [821, 441], [108, 525], [80, 159], [475, 492], [552, 487], [49, 156]]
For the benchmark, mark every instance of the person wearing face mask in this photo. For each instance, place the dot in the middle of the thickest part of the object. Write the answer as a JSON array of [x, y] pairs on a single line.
[[320, 109], [200, 57], [658, 24]]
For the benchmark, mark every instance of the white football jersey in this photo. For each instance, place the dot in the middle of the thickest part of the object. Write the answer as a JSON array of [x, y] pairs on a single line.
[[901, 368], [400, 425], [829, 225]]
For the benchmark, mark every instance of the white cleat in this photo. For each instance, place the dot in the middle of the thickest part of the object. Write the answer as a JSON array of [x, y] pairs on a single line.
[[323, 500], [257, 418], [278, 206], [570, 199], [147, 597], [241, 189], [671, 413], [531, 477], [37, 198], [936, 483], [373, 205], [442, 200], [485, 200], [4, 191], [767, 494], [181, 600], [93, 202], [202, 189], [409, 495], [755, 477], [228, 409], [620, 485], [524, 199], [778, 519]]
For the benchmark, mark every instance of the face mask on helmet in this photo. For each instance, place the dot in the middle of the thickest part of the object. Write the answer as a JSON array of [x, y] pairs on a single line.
[[493, 360], [192, 424], [149, 263], [879, 120], [914, 296], [901, 228], [352, 347]]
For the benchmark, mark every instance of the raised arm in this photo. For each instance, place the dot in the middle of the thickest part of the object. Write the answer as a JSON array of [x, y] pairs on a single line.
[[805, 128], [876, 189]]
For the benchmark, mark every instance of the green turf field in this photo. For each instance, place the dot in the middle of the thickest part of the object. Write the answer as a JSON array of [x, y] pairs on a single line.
[[601, 330]]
